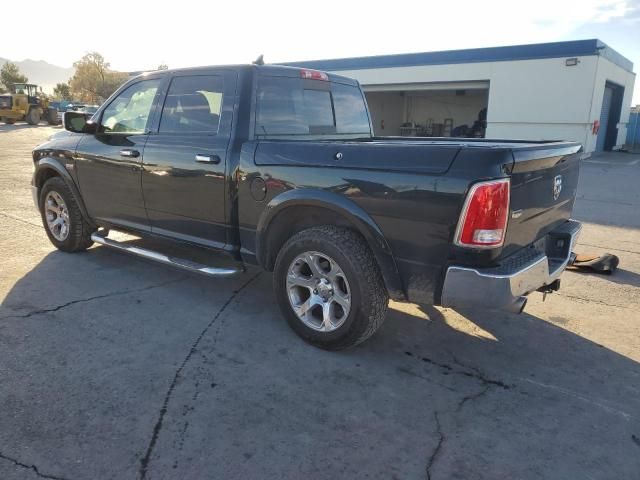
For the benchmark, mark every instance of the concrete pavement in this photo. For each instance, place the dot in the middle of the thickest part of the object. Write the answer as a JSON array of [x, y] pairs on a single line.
[[112, 367]]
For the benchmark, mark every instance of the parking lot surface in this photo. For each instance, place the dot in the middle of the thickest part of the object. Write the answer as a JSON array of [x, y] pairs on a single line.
[[112, 367]]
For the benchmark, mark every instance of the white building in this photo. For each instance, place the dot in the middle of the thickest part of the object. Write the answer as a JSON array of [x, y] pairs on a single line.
[[579, 90]]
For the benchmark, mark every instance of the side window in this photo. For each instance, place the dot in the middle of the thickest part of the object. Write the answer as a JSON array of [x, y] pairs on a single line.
[[193, 105], [129, 111], [351, 112]]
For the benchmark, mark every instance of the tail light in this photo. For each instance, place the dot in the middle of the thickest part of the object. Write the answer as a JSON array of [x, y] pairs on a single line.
[[483, 221], [313, 75]]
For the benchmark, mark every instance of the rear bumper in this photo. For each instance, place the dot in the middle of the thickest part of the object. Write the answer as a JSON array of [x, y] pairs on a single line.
[[504, 287]]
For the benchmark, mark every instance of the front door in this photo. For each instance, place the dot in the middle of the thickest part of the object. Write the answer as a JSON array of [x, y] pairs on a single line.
[[183, 177], [109, 163]]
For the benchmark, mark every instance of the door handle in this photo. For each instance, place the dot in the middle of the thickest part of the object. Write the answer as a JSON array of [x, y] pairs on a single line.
[[215, 159], [129, 153]]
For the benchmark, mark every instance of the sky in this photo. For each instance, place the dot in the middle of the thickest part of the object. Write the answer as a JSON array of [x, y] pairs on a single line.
[[139, 35]]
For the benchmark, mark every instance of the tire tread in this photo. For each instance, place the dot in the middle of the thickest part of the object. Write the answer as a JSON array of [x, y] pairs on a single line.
[[80, 231], [375, 297]]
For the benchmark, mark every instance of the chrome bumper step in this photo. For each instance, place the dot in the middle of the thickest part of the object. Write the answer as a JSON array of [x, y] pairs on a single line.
[[182, 263]]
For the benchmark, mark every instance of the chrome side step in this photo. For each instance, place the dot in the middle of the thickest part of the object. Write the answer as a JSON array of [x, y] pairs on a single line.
[[161, 258]]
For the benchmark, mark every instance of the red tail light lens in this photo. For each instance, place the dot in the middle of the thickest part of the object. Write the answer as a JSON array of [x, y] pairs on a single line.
[[483, 222], [314, 75]]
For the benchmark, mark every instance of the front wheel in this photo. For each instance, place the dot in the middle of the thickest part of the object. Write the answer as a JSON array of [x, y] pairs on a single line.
[[33, 117], [62, 218], [329, 287]]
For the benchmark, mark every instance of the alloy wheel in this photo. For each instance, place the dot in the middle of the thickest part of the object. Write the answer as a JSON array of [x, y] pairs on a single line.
[[318, 291], [57, 216]]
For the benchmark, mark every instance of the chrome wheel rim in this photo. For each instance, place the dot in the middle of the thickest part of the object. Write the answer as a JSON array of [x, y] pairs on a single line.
[[318, 291], [57, 216]]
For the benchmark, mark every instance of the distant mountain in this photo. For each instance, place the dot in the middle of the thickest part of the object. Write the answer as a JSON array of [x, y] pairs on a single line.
[[42, 73]]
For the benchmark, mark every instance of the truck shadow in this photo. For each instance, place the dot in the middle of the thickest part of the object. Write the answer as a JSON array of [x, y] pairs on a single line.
[[544, 386], [517, 346]]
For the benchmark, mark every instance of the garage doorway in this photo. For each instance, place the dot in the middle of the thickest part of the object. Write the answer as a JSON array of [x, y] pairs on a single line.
[[429, 111], [609, 116]]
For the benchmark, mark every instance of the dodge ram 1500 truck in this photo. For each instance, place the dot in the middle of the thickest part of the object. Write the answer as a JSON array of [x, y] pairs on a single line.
[[279, 167]]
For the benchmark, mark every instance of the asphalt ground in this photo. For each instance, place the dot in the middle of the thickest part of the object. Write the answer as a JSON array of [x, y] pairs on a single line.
[[112, 367]]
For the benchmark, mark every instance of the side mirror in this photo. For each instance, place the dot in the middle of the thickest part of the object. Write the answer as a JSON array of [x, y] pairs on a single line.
[[78, 122]]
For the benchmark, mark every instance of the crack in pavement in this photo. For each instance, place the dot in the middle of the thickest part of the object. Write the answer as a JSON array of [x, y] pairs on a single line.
[[471, 398], [479, 374], [17, 219], [610, 248], [570, 393], [430, 380], [90, 299], [591, 300], [441, 436], [144, 462], [468, 371], [436, 451], [474, 373], [35, 469]]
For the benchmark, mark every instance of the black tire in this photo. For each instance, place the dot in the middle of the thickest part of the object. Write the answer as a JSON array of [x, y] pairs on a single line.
[[52, 116], [33, 117], [368, 294], [79, 231], [9, 121]]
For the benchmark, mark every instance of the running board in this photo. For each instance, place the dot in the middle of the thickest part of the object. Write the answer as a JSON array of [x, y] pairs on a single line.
[[161, 258]]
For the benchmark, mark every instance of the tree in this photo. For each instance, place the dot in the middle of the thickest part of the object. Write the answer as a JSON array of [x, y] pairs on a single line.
[[163, 66], [10, 74], [62, 91], [93, 81]]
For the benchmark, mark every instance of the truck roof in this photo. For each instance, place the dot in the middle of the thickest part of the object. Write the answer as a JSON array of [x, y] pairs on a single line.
[[274, 70]]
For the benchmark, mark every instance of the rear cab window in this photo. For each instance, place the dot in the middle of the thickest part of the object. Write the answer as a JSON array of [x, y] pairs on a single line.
[[295, 107]]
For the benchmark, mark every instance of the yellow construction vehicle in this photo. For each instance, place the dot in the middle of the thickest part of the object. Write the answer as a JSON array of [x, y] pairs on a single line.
[[28, 104]]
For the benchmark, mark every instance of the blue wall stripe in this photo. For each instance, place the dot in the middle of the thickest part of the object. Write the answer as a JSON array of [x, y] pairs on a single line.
[[574, 48]]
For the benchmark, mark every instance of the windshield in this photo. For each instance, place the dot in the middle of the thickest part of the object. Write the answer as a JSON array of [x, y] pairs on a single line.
[[89, 109], [296, 107], [20, 88]]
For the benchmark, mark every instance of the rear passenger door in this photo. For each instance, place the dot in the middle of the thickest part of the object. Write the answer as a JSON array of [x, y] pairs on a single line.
[[183, 178]]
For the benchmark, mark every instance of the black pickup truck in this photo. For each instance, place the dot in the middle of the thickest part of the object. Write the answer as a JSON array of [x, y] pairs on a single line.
[[278, 167]]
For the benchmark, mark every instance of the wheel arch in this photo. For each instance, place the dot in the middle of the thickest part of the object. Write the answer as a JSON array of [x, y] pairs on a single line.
[[46, 168], [296, 210]]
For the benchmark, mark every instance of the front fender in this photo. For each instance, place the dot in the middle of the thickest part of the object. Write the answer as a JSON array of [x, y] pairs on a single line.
[[44, 166], [353, 213]]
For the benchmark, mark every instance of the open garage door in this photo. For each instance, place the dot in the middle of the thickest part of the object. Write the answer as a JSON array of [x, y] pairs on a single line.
[[429, 110], [609, 116]]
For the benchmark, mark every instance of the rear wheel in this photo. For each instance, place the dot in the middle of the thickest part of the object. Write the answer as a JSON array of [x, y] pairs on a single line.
[[33, 117], [8, 121], [62, 218], [329, 287]]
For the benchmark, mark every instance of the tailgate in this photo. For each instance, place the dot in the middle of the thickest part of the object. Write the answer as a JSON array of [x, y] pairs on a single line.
[[544, 182]]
